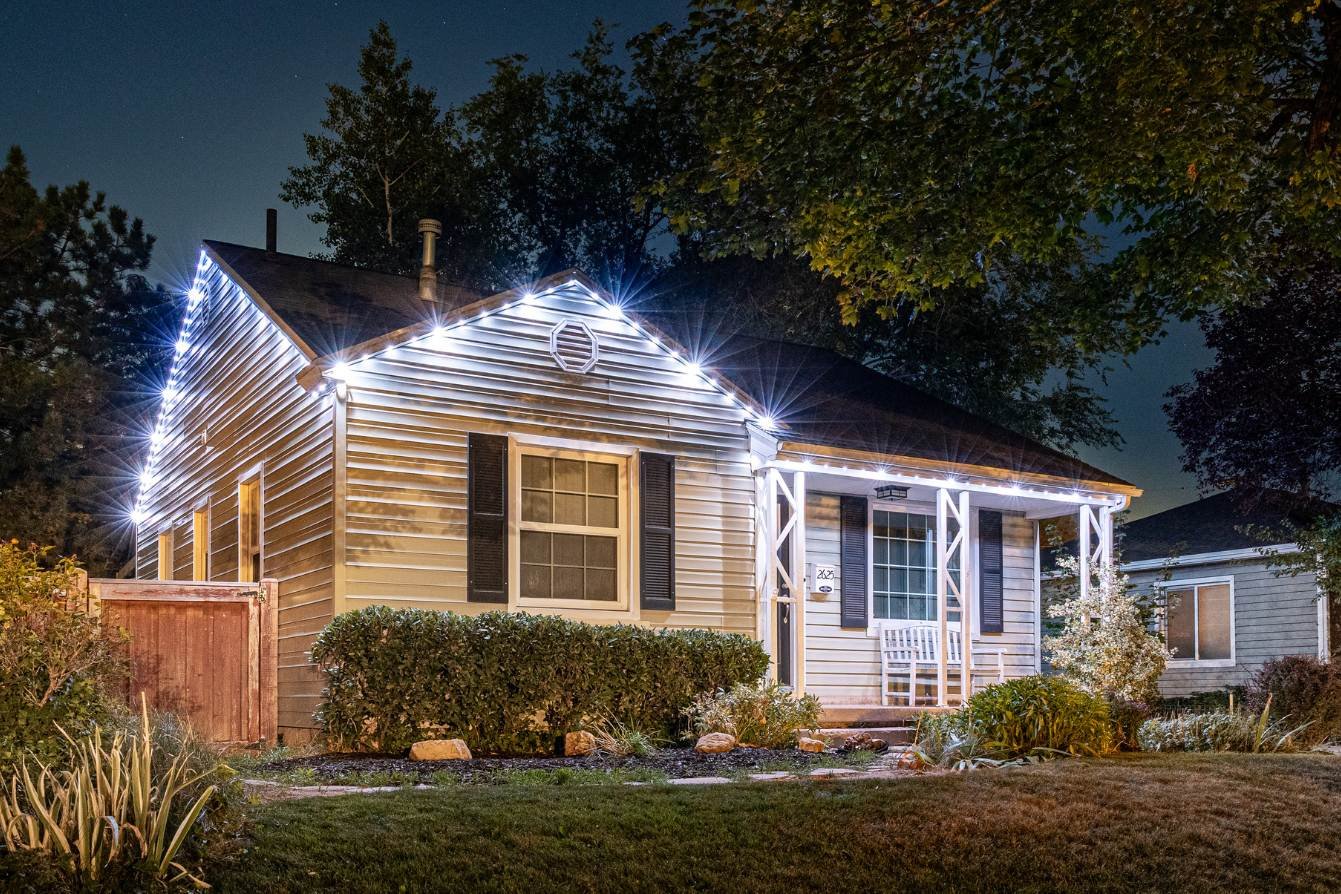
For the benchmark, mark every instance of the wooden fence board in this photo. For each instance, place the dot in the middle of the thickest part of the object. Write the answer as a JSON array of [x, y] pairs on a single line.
[[204, 650]]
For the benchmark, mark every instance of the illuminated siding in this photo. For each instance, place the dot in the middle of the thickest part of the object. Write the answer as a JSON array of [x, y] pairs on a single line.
[[237, 391]]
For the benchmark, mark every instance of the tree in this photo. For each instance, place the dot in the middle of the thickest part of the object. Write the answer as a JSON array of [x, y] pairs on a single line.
[[1164, 153], [1105, 644], [1265, 414], [81, 334]]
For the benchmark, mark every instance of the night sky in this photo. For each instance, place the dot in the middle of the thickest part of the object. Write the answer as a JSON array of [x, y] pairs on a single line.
[[189, 115]]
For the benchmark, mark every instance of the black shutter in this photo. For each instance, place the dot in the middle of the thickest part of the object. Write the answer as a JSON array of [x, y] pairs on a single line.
[[656, 533], [991, 612], [487, 519], [852, 518]]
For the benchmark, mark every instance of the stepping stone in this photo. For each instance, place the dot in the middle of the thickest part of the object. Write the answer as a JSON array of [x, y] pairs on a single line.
[[700, 780], [832, 771], [770, 777]]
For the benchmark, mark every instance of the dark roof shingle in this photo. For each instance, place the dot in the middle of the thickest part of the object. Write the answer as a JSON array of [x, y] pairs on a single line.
[[1214, 524], [819, 396]]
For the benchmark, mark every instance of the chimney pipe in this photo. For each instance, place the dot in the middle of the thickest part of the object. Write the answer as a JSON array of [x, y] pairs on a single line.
[[430, 229], [271, 230]]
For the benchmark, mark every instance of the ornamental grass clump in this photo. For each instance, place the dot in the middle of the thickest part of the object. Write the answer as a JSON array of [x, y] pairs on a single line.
[[1033, 715], [1232, 730], [110, 814], [761, 715]]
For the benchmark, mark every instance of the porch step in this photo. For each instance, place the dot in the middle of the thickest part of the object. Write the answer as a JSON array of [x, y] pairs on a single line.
[[894, 735], [864, 716]]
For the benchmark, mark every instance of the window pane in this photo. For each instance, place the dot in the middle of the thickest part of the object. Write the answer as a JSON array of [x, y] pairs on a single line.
[[570, 509], [535, 547], [603, 512], [601, 552], [537, 506], [537, 472], [535, 581], [568, 583], [601, 585], [570, 475], [1179, 623], [1213, 633], [568, 549], [603, 478]]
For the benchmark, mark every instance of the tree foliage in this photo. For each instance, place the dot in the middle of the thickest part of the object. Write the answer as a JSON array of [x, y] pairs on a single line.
[[1265, 414], [80, 335], [1162, 153]]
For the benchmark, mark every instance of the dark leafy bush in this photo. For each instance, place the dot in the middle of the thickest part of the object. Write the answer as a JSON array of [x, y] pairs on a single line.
[[59, 665], [511, 683], [1127, 719], [1301, 689], [1039, 714]]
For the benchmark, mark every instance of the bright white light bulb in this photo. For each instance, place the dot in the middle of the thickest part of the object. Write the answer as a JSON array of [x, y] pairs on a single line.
[[613, 311], [146, 478], [137, 516], [767, 422], [182, 346], [195, 294], [171, 393], [528, 297], [339, 372], [693, 368]]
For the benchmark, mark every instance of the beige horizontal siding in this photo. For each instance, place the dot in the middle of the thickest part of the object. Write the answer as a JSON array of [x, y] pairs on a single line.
[[241, 397], [843, 665], [1274, 615], [411, 410]]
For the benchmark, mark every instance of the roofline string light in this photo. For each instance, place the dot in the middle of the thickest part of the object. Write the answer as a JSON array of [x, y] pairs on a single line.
[[611, 309], [172, 392]]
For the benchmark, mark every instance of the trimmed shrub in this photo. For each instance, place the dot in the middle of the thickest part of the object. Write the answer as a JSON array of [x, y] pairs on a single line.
[[1020, 717], [1300, 689], [57, 661], [511, 683], [765, 716]]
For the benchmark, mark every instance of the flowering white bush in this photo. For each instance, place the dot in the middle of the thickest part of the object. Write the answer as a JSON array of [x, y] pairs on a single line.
[[1105, 646]]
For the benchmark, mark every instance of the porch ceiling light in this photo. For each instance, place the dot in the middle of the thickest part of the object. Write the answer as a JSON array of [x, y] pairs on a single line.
[[891, 492]]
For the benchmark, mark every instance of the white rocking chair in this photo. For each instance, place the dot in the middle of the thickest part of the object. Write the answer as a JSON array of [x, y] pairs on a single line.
[[906, 646]]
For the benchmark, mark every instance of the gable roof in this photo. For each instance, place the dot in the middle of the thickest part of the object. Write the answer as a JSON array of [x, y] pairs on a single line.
[[1212, 525], [331, 306], [819, 396]]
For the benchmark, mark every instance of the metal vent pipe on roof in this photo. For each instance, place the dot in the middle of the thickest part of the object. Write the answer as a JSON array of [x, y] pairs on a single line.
[[271, 230], [430, 229]]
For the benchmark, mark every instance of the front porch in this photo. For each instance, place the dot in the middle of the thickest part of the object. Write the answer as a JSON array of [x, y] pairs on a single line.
[[851, 547]]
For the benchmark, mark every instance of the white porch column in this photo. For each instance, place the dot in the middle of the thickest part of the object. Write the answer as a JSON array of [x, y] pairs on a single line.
[[1096, 523], [799, 582], [948, 549], [765, 508], [966, 595], [942, 594]]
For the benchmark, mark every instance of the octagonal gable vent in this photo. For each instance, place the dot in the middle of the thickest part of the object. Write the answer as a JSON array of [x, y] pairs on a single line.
[[574, 346]]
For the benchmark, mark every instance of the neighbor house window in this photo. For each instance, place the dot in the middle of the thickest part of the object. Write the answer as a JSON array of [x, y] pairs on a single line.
[[200, 545], [1199, 621], [165, 555], [904, 566], [249, 531], [572, 529]]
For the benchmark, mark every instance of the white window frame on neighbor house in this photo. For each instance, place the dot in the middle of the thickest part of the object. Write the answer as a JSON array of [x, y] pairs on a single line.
[[200, 545], [1195, 584], [165, 554], [254, 476], [624, 460]]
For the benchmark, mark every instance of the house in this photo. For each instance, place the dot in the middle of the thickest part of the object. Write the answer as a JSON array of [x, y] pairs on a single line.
[[1226, 611], [374, 439]]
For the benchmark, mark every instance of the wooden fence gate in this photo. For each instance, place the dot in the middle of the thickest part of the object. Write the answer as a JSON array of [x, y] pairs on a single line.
[[203, 650]]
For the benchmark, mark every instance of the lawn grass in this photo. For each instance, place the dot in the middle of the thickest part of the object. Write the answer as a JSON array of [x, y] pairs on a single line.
[[1133, 823]]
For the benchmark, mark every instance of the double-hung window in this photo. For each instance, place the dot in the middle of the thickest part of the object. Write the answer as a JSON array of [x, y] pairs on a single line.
[[572, 529], [1199, 621], [904, 566]]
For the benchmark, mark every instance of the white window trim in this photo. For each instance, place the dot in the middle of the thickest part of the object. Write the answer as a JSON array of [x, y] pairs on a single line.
[[255, 473], [1165, 586], [911, 507], [625, 542]]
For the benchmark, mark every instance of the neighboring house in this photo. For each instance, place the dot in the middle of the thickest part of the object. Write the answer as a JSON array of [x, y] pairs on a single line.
[[1226, 611], [549, 450]]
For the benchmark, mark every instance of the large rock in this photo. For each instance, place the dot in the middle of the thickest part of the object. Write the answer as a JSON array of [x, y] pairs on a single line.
[[440, 750], [715, 743], [807, 744], [578, 744]]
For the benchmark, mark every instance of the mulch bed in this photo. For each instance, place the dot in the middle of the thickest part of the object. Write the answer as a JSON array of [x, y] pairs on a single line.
[[676, 763]]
